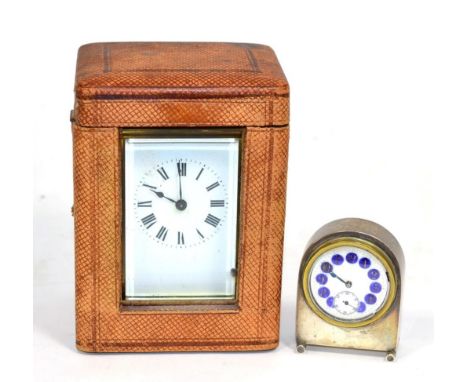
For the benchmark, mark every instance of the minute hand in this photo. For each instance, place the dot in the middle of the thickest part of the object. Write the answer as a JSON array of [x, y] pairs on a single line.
[[179, 171]]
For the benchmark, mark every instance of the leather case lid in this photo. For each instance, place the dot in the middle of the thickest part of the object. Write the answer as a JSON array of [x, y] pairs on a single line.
[[178, 69], [133, 74]]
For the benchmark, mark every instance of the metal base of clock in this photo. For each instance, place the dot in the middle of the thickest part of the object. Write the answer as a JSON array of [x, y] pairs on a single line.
[[390, 355], [301, 348]]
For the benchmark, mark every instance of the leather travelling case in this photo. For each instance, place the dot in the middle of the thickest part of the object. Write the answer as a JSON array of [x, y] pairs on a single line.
[[124, 86]]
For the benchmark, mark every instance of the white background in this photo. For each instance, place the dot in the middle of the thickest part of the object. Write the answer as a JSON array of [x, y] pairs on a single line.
[[379, 95]]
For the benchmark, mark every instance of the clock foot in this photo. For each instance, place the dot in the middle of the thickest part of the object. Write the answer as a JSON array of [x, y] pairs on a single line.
[[300, 348], [391, 356]]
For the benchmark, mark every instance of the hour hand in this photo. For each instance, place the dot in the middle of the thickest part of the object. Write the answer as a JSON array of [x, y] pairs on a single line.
[[159, 194], [347, 283]]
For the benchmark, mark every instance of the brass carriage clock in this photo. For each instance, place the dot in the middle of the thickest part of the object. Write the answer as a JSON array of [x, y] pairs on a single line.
[[180, 156], [350, 287]]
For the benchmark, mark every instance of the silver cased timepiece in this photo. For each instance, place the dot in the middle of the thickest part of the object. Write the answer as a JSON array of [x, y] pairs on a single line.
[[349, 288]]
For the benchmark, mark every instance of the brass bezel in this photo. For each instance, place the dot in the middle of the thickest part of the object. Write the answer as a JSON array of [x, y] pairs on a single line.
[[188, 304], [362, 244]]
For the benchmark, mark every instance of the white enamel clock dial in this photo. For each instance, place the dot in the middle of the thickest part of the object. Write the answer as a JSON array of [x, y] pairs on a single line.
[[349, 283], [181, 217]]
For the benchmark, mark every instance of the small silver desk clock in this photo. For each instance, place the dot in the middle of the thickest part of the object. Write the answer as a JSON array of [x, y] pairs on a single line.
[[349, 288]]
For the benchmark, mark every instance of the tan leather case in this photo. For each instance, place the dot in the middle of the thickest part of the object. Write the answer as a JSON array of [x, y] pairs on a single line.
[[139, 85]]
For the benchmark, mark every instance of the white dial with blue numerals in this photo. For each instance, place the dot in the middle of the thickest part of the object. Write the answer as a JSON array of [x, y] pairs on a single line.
[[349, 283], [181, 218]]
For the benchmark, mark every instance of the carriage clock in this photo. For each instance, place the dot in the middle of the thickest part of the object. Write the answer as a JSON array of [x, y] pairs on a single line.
[[180, 157], [350, 287]]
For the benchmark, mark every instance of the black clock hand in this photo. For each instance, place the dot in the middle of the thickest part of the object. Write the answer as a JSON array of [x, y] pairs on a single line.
[[159, 194], [181, 204], [348, 284], [333, 274], [348, 304], [179, 171]]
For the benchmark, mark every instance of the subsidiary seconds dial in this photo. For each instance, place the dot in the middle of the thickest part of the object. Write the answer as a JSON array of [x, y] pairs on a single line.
[[181, 203]]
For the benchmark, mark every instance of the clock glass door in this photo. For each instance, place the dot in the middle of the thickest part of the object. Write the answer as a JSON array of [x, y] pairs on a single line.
[[181, 213]]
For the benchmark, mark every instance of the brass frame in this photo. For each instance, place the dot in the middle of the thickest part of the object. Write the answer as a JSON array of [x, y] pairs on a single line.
[[189, 304], [362, 244]]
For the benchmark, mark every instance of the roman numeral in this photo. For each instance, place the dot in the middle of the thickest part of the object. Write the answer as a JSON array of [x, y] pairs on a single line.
[[217, 203], [180, 238], [200, 173], [200, 234], [163, 173], [214, 185], [145, 203], [182, 168], [212, 220], [162, 233], [149, 220]]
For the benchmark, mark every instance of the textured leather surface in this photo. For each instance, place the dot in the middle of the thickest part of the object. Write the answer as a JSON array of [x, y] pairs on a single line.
[[194, 83], [103, 324]]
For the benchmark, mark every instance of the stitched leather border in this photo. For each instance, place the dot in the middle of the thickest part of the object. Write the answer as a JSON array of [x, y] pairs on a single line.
[[138, 112]]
